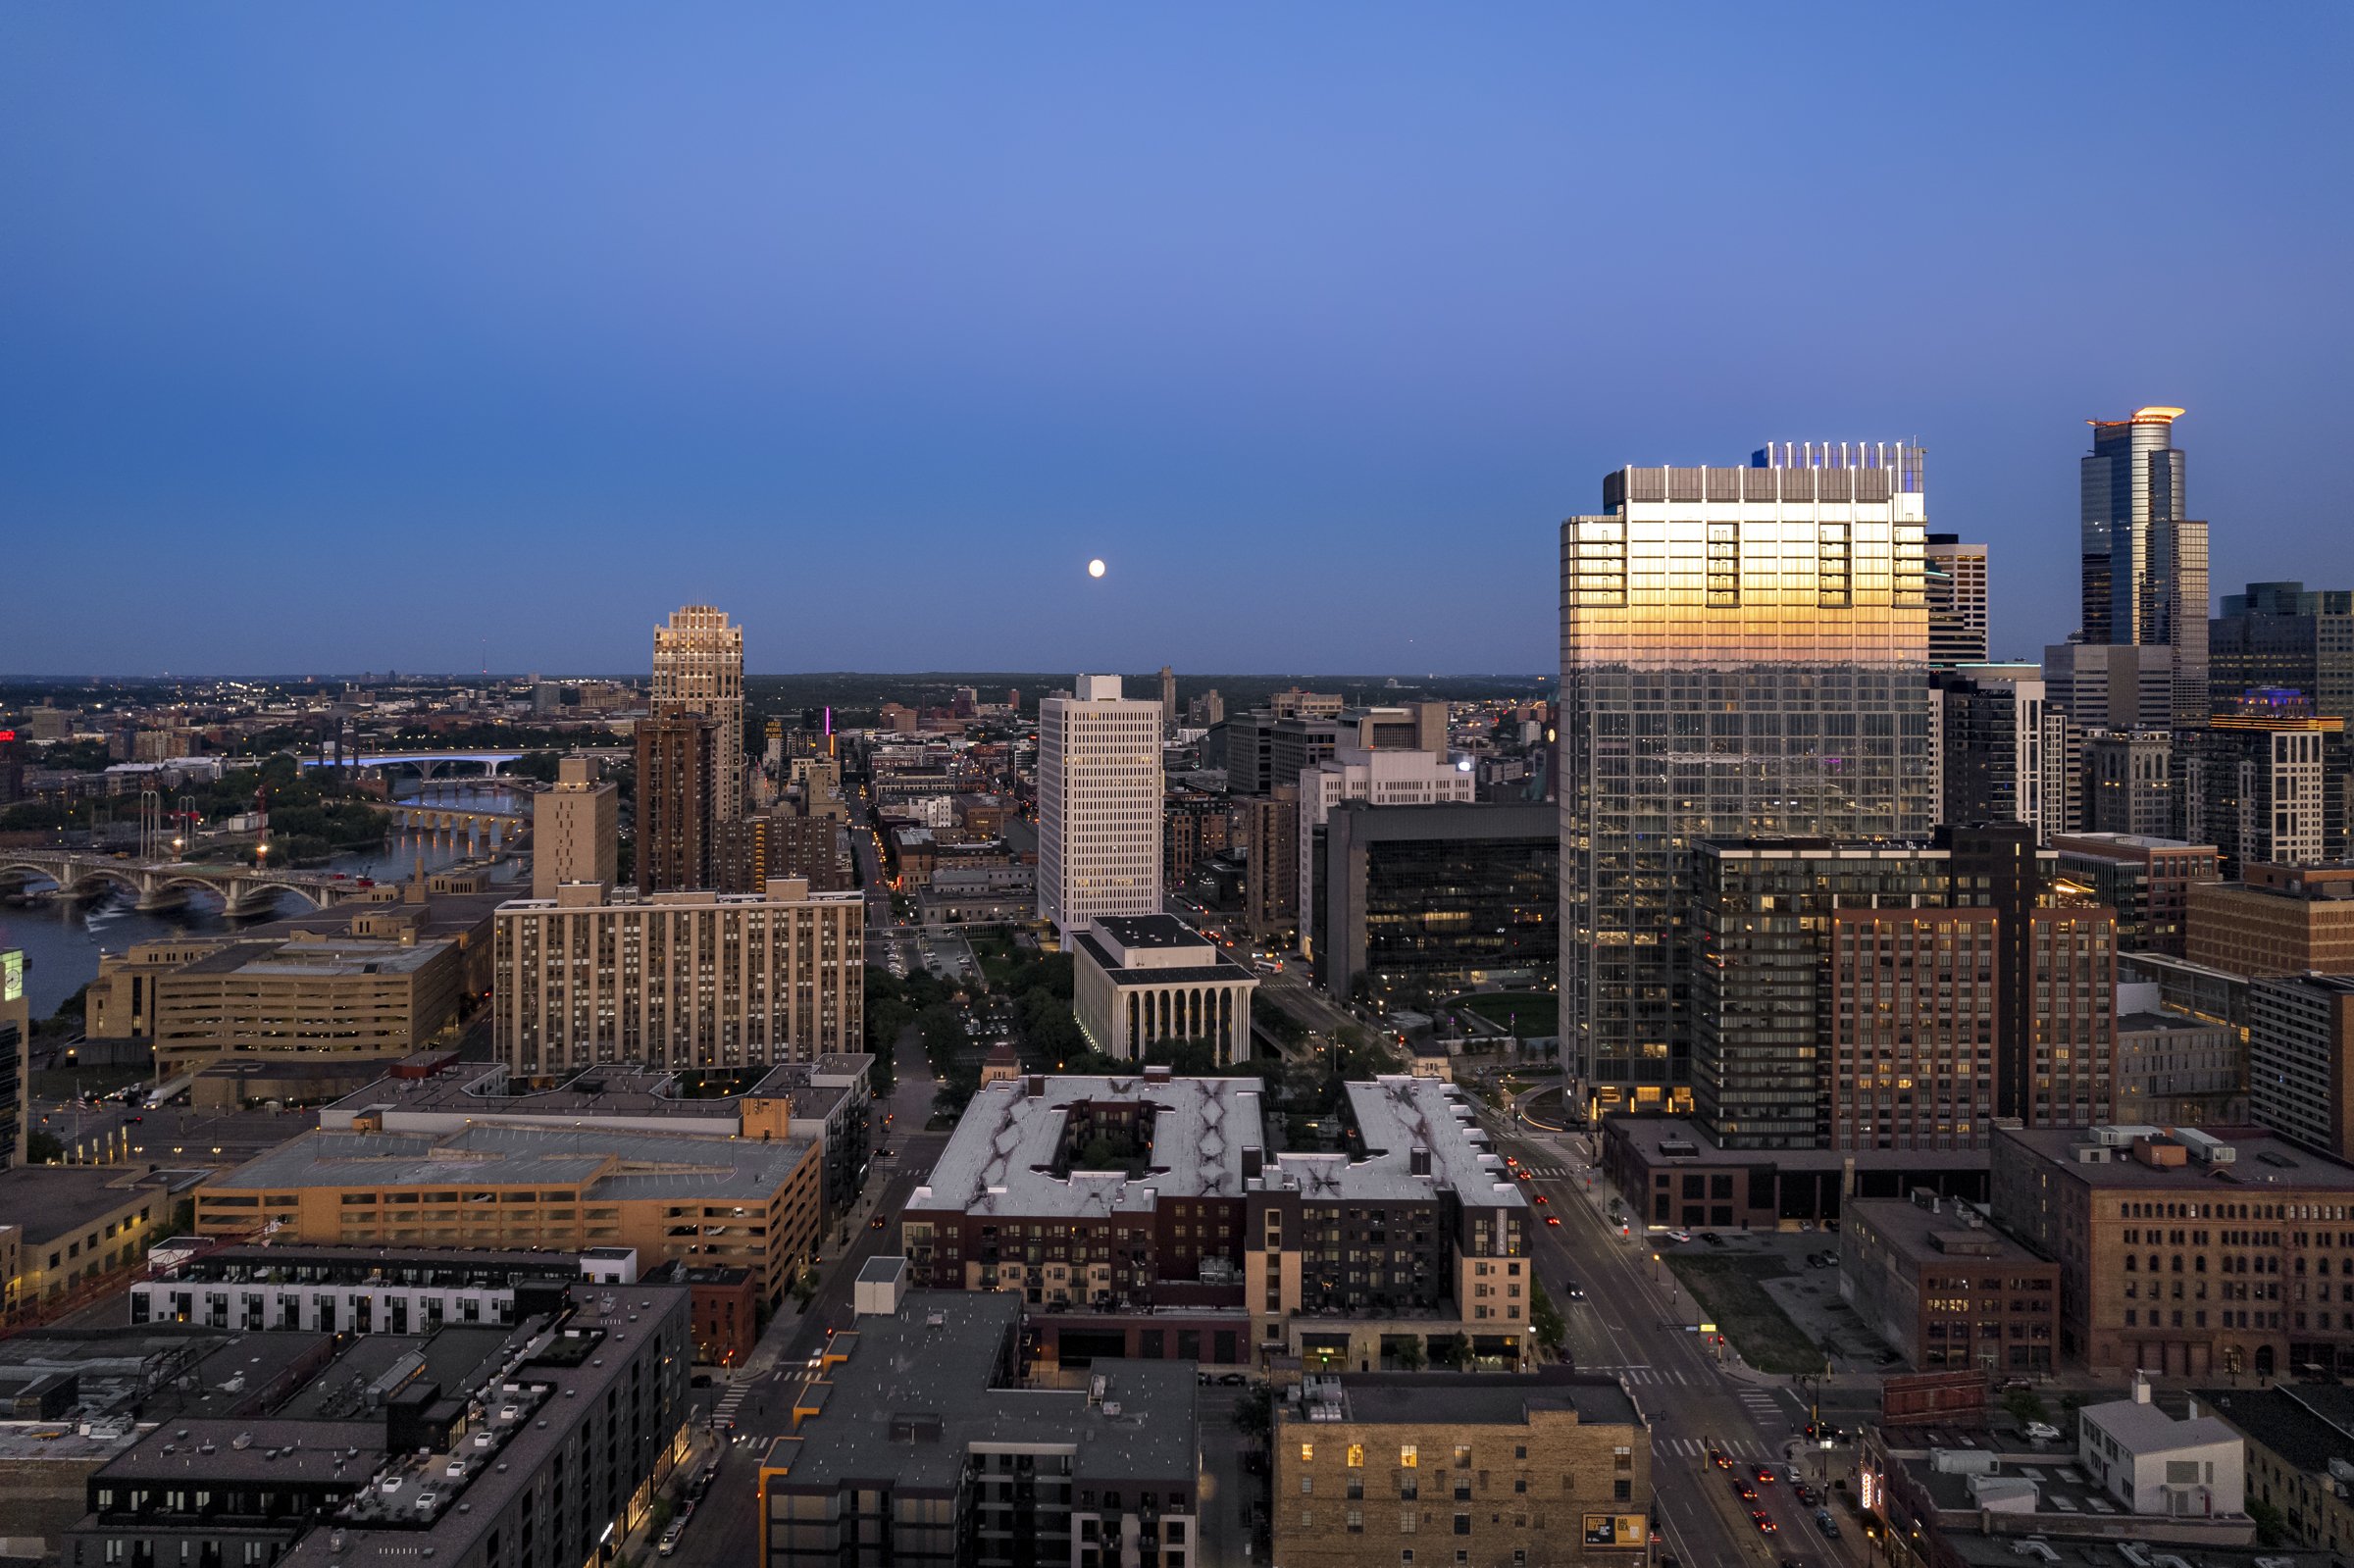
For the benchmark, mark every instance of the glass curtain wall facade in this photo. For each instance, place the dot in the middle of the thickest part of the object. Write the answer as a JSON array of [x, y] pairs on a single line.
[[2145, 563], [1744, 653], [1425, 902]]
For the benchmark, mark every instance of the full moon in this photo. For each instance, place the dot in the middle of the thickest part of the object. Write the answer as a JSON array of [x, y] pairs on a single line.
[[1094, 568]]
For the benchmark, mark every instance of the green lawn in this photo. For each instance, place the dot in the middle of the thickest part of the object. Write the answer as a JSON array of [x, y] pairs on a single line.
[[1727, 1287], [1521, 1012]]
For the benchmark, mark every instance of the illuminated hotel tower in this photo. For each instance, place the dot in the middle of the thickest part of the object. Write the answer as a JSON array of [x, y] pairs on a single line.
[[2145, 564], [698, 668], [1744, 653]]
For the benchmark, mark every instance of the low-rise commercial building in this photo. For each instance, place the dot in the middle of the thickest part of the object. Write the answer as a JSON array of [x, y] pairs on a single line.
[[1948, 1291], [1674, 1177], [354, 1289], [356, 996], [917, 1432], [2279, 920], [679, 979], [674, 1199], [1142, 980], [2300, 1443], [827, 1101], [2182, 1253], [2146, 879], [2177, 1070], [1538, 1469], [2189, 1467], [74, 1226]]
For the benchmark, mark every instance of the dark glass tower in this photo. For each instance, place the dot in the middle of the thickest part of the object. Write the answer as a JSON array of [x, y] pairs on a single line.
[[2145, 564]]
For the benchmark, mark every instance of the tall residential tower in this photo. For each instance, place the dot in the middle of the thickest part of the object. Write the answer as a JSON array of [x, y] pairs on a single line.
[[1955, 586], [1744, 653], [698, 668], [1099, 805], [2145, 564]]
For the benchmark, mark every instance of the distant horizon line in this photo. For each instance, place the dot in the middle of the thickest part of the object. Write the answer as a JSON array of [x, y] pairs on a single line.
[[967, 676]]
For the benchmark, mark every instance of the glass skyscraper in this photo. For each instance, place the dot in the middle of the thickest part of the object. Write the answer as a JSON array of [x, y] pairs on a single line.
[[2145, 564], [1744, 653]]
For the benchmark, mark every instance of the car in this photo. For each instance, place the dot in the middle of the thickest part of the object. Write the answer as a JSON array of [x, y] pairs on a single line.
[[1231, 1380], [1765, 1476], [1712, 1238], [1573, 1291], [1540, 1199], [1827, 1524], [1680, 1236], [1764, 1521], [1718, 1458], [878, 1223], [669, 1543], [1806, 1495], [1744, 1491], [1552, 1219], [2042, 1432], [455, 1469]]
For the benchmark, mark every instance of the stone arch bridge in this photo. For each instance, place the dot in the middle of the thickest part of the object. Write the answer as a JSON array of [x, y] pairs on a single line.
[[167, 883]]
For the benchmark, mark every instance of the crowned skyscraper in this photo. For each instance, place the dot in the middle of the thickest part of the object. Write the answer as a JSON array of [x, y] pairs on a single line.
[[698, 668], [2145, 564], [1744, 653]]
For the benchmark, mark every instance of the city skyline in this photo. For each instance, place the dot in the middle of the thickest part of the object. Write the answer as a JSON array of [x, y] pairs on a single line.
[[816, 301]]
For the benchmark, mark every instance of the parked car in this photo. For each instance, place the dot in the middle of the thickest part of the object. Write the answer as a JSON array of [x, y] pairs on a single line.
[[2042, 1432], [1827, 1524], [1712, 1238], [670, 1540]]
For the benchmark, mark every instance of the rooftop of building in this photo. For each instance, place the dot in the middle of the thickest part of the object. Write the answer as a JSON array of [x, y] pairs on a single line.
[[2164, 1021], [915, 1390], [620, 1163], [1678, 1140], [1138, 949], [1801, 847], [612, 1089], [325, 957], [1977, 1548], [2260, 1159], [1949, 1231], [391, 1264], [1394, 1116], [1471, 1399], [1007, 1153], [2090, 844], [312, 1434], [2142, 1428], [2307, 1424], [51, 1201]]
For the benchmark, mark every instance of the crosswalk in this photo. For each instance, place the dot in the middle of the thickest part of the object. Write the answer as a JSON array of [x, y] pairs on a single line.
[[1738, 1449], [1761, 1406], [722, 1414], [1656, 1376], [1546, 1173]]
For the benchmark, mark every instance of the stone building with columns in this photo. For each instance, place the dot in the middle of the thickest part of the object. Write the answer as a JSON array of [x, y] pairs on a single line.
[[1139, 980]]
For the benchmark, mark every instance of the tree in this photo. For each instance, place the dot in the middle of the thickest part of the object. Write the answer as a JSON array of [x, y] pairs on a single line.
[[1408, 1355], [40, 1149], [1545, 1320], [2024, 1405], [1255, 1414], [1455, 1350]]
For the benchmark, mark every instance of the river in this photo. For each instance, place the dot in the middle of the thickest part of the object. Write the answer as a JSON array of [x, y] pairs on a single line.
[[63, 940]]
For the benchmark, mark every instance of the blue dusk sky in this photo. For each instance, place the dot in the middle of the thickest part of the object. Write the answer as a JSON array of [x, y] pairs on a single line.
[[339, 337]]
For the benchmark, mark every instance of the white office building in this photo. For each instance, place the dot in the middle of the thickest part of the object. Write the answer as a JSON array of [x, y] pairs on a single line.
[[1099, 805]]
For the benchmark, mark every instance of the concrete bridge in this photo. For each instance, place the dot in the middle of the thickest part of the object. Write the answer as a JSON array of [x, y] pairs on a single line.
[[167, 883], [496, 828], [428, 763]]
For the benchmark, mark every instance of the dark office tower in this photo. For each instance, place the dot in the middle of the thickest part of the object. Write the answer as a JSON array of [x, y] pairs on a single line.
[[2145, 564], [1760, 922], [676, 757], [1168, 697], [2004, 753], [1995, 864], [1954, 583], [2277, 636], [2128, 782], [1744, 651]]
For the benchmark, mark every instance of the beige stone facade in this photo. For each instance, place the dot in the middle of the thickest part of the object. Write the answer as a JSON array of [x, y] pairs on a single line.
[[1491, 1469], [576, 829], [698, 668], [2282, 920], [679, 979]]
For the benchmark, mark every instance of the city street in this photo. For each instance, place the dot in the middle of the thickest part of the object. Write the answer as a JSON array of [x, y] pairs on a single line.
[[1633, 1323]]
